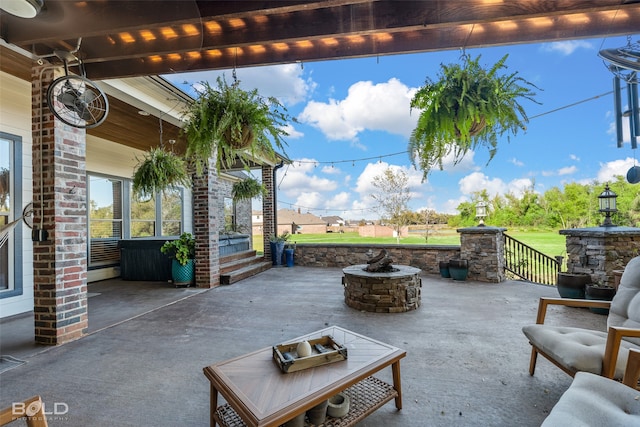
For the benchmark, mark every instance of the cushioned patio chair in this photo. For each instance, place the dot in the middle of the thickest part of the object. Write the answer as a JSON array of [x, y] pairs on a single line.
[[30, 410], [601, 353], [592, 400]]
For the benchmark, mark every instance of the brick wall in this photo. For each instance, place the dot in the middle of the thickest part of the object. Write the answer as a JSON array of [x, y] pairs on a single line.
[[206, 225], [60, 208], [267, 209]]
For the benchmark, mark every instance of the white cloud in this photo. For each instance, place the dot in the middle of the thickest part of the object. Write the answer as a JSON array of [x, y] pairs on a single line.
[[516, 162], [568, 170], [364, 183], [308, 201], [566, 47], [477, 181], [381, 107], [340, 201], [286, 82], [574, 157], [293, 132], [300, 178], [517, 187], [465, 164], [331, 170], [451, 205], [608, 171]]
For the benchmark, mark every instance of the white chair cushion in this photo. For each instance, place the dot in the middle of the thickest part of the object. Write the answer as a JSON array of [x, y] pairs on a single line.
[[625, 307], [592, 400], [576, 349]]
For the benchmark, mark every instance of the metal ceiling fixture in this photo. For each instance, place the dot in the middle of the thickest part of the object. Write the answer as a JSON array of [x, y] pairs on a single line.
[[74, 99], [22, 8]]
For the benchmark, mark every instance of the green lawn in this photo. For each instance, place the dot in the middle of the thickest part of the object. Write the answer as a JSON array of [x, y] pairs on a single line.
[[550, 243]]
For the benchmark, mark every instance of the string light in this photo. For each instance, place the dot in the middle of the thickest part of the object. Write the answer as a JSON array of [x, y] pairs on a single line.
[[364, 159]]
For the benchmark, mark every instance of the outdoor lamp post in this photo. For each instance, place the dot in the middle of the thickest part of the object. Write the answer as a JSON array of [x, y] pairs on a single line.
[[481, 212], [607, 201]]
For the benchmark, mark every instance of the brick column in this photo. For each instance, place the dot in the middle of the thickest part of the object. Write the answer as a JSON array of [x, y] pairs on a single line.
[[483, 247], [60, 208], [268, 227], [206, 224]]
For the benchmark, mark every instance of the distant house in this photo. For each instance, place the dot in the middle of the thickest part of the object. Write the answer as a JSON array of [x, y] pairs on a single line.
[[296, 222], [256, 222], [333, 221]]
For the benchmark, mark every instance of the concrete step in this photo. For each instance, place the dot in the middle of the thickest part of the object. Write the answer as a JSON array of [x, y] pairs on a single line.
[[227, 266], [248, 270], [238, 255]]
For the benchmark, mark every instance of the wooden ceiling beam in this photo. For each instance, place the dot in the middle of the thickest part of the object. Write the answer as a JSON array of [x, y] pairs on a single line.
[[134, 31], [128, 38], [425, 39]]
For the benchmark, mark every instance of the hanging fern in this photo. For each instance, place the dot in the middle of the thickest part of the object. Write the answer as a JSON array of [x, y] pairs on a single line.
[[248, 189], [223, 120], [157, 171], [466, 108]]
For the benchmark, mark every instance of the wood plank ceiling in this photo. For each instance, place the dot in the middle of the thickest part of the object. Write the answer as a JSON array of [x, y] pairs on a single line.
[[132, 38], [142, 38]]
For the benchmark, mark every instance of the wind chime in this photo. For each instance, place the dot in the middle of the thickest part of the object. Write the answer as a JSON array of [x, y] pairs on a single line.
[[624, 63]]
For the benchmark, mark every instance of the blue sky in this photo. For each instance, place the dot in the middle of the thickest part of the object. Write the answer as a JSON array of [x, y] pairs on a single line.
[[354, 116]]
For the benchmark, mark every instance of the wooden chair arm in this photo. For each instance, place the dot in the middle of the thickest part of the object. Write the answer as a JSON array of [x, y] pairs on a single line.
[[568, 302], [632, 371], [34, 418], [614, 336]]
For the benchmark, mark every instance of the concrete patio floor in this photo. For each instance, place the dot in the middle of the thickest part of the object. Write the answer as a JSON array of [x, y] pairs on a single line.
[[466, 365]]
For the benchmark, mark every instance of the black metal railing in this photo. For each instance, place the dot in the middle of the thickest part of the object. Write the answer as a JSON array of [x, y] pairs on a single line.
[[529, 264]]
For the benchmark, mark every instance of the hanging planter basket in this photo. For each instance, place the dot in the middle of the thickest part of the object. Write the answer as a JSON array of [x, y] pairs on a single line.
[[159, 170], [476, 127], [467, 107], [240, 139], [233, 126]]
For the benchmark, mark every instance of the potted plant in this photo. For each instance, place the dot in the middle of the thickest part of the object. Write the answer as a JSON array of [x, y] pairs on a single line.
[[276, 242], [458, 269], [159, 170], [182, 251], [247, 189], [598, 291], [572, 285], [229, 124], [467, 107]]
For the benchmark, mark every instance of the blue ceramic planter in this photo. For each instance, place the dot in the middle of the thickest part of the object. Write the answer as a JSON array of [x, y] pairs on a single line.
[[182, 275]]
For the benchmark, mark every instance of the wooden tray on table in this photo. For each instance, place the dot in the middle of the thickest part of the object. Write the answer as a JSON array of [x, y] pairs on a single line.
[[324, 350]]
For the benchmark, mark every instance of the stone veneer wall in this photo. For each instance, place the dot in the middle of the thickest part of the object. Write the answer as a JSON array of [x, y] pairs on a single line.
[[483, 248], [392, 292], [599, 251], [424, 257]]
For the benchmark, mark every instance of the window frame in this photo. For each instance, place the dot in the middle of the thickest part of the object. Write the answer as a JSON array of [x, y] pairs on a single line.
[[16, 251]]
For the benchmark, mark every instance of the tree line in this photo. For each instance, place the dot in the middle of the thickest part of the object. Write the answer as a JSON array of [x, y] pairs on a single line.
[[575, 205]]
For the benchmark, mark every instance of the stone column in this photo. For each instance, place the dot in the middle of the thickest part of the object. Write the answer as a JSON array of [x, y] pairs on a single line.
[[268, 227], [599, 251], [60, 211], [206, 225], [483, 248]]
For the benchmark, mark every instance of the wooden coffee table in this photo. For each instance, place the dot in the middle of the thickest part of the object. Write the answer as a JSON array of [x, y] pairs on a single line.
[[259, 394]]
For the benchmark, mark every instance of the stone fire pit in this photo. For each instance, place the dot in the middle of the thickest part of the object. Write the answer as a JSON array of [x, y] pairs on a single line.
[[394, 291]]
